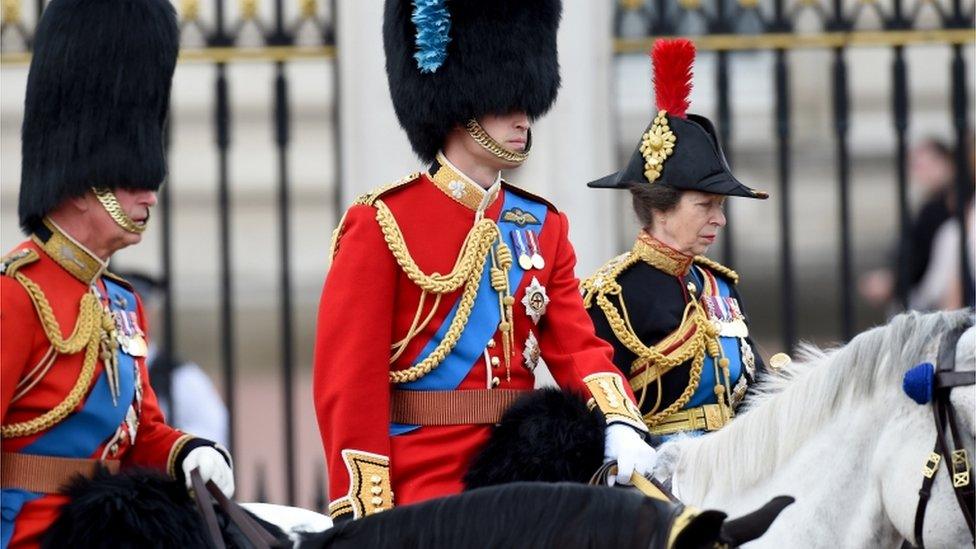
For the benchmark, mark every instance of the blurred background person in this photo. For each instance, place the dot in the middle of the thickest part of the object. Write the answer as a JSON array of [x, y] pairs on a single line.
[[187, 395]]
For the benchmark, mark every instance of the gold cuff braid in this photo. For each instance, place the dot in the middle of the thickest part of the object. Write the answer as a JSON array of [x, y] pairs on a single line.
[[370, 489], [608, 393]]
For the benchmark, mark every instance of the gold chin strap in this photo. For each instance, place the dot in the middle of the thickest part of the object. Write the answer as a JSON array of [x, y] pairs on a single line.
[[114, 209], [494, 147]]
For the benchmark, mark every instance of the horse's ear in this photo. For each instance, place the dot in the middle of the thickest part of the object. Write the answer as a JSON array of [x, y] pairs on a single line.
[[703, 530], [749, 527]]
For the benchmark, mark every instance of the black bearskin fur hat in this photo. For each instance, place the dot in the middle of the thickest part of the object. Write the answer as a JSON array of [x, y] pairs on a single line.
[[548, 436], [500, 58], [97, 97]]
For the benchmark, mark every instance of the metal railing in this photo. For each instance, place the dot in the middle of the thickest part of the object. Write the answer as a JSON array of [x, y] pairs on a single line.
[[730, 26]]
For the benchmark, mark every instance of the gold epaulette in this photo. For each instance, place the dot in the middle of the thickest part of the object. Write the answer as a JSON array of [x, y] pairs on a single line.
[[15, 260], [718, 268], [604, 278], [368, 199]]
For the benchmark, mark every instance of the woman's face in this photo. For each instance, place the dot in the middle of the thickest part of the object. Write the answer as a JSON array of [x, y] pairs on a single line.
[[693, 224]]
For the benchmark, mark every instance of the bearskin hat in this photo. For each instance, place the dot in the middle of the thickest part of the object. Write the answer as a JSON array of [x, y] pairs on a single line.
[[450, 61], [677, 149], [97, 98]]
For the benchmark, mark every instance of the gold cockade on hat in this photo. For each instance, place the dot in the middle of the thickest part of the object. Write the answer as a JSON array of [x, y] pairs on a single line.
[[657, 144]]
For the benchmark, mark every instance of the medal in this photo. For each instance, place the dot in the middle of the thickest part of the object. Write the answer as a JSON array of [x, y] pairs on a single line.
[[537, 261], [522, 249], [531, 352], [535, 300]]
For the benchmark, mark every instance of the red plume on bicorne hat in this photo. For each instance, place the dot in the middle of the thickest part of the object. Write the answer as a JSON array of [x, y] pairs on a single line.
[[672, 60]]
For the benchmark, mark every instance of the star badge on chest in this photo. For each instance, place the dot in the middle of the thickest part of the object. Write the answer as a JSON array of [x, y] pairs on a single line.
[[535, 300]]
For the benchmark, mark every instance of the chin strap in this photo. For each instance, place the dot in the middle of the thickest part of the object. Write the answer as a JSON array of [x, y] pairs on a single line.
[[489, 144], [114, 209]]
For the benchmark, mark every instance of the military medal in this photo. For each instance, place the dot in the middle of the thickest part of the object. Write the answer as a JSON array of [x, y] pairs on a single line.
[[531, 352], [522, 248], [535, 300], [137, 339], [537, 261]]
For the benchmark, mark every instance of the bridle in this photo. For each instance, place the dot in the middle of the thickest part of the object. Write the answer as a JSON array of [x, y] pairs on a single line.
[[944, 378]]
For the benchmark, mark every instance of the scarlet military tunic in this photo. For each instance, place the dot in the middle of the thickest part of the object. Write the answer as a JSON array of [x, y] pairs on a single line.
[[370, 303], [36, 378]]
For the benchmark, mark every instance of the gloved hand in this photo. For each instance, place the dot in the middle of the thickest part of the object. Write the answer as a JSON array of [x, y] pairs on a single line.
[[212, 466], [624, 444]]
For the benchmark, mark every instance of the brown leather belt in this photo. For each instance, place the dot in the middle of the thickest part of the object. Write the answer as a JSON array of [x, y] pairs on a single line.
[[451, 407], [46, 474]]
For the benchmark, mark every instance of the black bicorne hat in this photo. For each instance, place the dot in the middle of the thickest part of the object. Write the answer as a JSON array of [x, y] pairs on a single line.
[[97, 97], [677, 149], [448, 61]]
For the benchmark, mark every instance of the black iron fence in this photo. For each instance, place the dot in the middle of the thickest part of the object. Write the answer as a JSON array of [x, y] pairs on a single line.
[[732, 26]]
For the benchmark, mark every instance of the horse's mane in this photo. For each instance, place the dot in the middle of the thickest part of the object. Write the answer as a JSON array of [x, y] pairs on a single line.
[[787, 409]]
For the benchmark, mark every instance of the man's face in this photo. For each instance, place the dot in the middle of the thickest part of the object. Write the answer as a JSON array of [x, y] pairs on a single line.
[[135, 203], [509, 130], [693, 224]]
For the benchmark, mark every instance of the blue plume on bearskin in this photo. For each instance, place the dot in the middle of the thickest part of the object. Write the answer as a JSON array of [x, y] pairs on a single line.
[[548, 435], [433, 23]]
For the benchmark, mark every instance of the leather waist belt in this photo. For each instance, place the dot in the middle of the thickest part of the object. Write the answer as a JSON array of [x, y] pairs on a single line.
[[709, 417], [46, 474], [451, 407]]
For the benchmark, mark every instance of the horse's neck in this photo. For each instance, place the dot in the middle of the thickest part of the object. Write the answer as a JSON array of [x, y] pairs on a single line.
[[832, 474]]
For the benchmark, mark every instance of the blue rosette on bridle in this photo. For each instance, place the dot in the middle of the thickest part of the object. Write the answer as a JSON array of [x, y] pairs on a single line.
[[433, 23], [918, 382]]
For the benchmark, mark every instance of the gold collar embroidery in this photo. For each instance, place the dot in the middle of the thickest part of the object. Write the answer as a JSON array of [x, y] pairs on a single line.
[[70, 254], [452, 182], [661, 256]]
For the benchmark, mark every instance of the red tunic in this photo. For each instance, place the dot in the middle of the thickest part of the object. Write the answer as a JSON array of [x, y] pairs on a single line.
[[368, 303], [24, 346]]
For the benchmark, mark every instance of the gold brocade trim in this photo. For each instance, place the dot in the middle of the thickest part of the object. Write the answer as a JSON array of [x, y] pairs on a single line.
[[609, 396], [657, 144], [681, 522], [87, 334], [175, 451], [718, 268], [370, 489], [661, 256], [461, 188], [70, 254], [12, 262]]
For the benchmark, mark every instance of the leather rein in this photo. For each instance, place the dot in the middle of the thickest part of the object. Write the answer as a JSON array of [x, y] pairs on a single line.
[[955, 457]]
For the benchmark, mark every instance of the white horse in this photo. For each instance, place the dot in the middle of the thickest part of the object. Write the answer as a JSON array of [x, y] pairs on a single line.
[[836, 431]]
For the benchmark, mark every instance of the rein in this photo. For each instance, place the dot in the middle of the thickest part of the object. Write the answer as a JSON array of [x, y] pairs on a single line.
[[256, 535], [945, 378]]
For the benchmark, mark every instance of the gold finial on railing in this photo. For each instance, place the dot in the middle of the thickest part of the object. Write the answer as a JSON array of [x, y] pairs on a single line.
[[249, 9], [748, 4], [11, 11], [690, 4], [308, 9], [810, 2], [190, 9], [631, 5]]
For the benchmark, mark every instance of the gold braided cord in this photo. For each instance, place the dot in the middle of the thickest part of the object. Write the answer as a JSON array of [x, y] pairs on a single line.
[[471, 261], [415, 327], [87, 334], [489, 144], [114, 209]]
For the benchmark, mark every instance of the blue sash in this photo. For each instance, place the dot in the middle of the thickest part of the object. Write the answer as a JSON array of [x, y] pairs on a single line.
[[81, 433], [482, 324], [705, 394]]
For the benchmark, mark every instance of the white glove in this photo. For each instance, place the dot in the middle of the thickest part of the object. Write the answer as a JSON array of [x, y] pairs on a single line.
[[212, 466], [633, 455]]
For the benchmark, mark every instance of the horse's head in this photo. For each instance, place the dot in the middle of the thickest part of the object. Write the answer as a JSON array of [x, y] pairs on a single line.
[[943, 393]]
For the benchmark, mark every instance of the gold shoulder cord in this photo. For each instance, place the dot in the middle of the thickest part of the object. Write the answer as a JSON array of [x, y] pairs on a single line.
[[718, 268], [87, 334], [482, 241], [605, 284]]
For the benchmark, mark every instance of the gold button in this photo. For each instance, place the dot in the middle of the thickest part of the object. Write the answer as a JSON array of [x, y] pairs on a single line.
[[491, 344], [495, 382], [377, 501], [779, 360], [376, 479], [113, 449], [495, 361], [376, 490]]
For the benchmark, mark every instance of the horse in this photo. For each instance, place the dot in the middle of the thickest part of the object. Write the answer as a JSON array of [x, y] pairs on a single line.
[[836, 430]]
